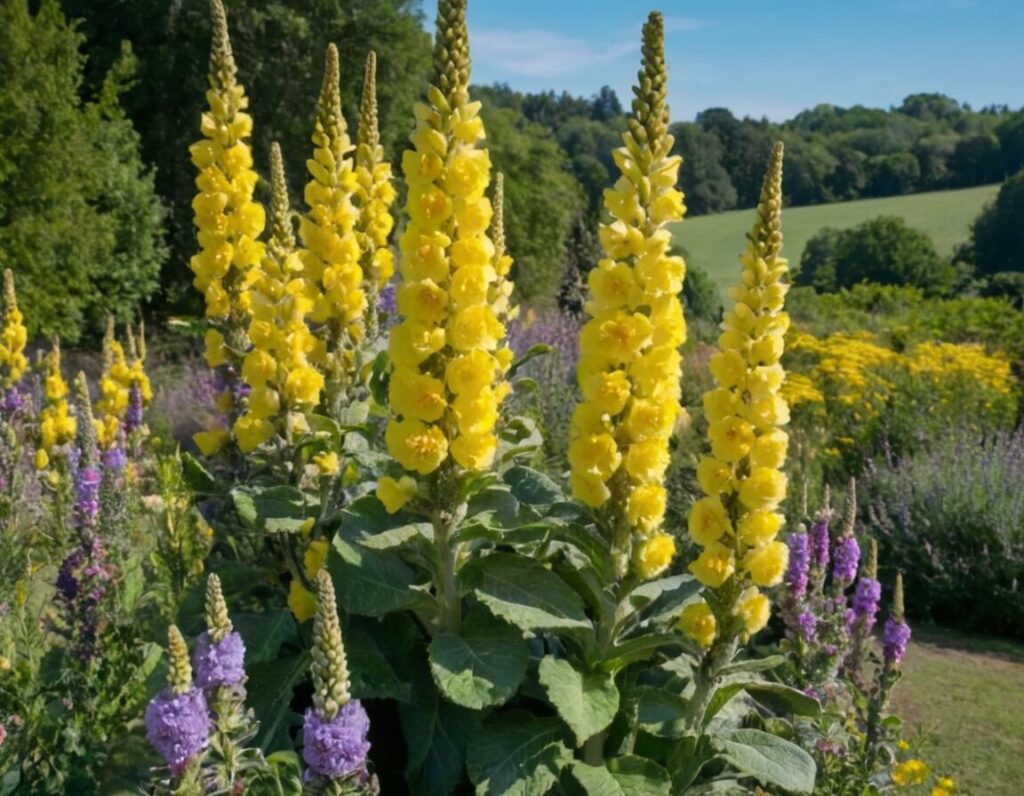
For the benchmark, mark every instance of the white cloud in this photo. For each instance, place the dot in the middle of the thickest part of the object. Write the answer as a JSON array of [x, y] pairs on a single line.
[[541, 53]]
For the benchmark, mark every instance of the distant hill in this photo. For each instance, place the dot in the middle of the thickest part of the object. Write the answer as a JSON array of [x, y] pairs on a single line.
[[714, 242]]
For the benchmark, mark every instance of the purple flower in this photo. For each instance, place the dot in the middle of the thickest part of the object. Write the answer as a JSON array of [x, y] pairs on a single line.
[[178, 726], [133, 414], [114, 460], [820, 542], [808, 623], [87, 503], [846, 557], [895, 637], [219, 663], [11, 402], [799, 564], [387, 302], [336, 747], [865, 601]]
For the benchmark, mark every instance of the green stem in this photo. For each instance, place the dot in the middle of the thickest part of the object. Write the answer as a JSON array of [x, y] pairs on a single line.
[[451, 602]]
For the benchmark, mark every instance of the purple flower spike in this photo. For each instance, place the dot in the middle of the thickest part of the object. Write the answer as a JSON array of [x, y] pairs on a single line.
[[336, 747], [895, 637], [799, 564], [865, 601], [133, 414], [846, 557], [178, 726], [87, 503], [114, 460], [219, 663], [820, 542], [808, 626]]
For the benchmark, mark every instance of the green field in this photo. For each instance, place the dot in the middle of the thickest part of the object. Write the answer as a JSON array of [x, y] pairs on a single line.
[[714, 242], [967, 694]]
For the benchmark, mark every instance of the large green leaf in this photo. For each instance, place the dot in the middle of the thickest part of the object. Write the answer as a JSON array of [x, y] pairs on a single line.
[[517, 754], [369, 582], [525, 593], [587, 702], [661, 600], [275, 509], [771, 760], [623, 776], [662, 713], [783, 699], [264, 634], [482, 665], [269, 691], [639, 649], [752, 665], [196, 476], [376, 649], [532, 486]]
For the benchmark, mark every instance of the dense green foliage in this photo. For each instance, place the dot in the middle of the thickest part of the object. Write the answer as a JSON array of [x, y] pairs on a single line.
[[998, 234], [80, 223], [884, 251]]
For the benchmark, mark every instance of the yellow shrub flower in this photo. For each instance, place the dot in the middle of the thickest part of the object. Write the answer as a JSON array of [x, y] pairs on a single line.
[[211, 442], [229, 221], [56, 424], [654, 554], [13, 337], [745, 411], [697, 621], [448, 352], [395, 493], [327, 463], [911, 772]]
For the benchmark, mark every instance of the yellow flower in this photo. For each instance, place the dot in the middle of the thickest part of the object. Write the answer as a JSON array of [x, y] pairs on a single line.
[[697, 621], [731, 438], [416, 446], [759, 527], [471, 372], [767, 564], [607, 391], [646, 506], [474, 451], [754, 609], [647, 461], [764, 488], [302, 386], [411, 342], [475, 327], [301, 602], [594, 454], [708, 521], [395, 493], [769, 449], [714, 476], [327, 463], [416, 395], [590, 489], [654, 555], [911, 772], [210, 442], [714, 565], [251, 432], [42, 460]]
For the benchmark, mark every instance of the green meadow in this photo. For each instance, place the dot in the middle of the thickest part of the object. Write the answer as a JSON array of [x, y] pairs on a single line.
[[714, 242]]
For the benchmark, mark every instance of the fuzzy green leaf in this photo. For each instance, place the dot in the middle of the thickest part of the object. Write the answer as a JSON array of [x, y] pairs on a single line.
[[587, 702], [769, 759], [532, 486], [517, 754]]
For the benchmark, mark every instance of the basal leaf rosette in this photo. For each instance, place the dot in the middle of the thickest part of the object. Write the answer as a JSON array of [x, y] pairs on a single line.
[[279, 369], [448, 352], [228, 219], [330, 236], [630, 367], [737, 521], [375, 195]]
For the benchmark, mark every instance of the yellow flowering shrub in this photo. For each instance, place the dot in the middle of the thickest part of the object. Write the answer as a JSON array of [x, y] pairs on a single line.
[[736, 522], [13, 337], [630, 367], [448, 352], [57, 425], [228, 219]]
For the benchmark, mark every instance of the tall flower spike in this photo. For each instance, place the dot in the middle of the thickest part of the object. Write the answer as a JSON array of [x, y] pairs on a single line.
[[179, 675], [330, 668], [218, 623], [376, 194], [177, 719], [737, 522], [630, 367], [331, 254], [229, 221], [279, 368], [85, 424], [503, 305], [56, 424], [448, 352], [13, 337]]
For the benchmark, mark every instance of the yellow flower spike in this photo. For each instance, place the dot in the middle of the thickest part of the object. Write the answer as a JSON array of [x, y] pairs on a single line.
[[13, 337], [57, 426], [375, 196], [332, 241], [229, 221], [448, 352], [697, 621], [742, 479], [630, 368]]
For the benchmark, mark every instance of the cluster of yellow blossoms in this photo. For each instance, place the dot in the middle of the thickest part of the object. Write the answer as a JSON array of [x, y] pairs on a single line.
[[630, 367], [448, 356], [56, 424], [279, 368], [228, 219], [737, 521], [13, 337], [122, 373], [375, 195]]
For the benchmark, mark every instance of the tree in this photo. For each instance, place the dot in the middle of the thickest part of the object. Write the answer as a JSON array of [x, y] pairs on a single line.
[[80, 223], [892, 175], [703, 178], [279, 46], [998, 233], [883, 250]]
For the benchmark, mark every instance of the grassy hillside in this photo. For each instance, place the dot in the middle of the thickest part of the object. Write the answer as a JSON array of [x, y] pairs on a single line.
[[714, 242]]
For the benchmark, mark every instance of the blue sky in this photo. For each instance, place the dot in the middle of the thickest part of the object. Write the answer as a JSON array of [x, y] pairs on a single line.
[[758, 57]]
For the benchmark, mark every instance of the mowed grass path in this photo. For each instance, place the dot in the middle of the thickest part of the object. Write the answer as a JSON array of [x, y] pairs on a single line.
[[967, 692], [714, 242]]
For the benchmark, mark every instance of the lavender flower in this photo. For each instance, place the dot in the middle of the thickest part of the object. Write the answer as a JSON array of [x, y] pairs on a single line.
[[865, 601], [11, 401], [808, 624], [799, 564], [846, 557], [338, 746], [178, 726], [133, 414], [820, 541], [387, 303], [87, 496], [895, 637], [114, 460], [219, 663]]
